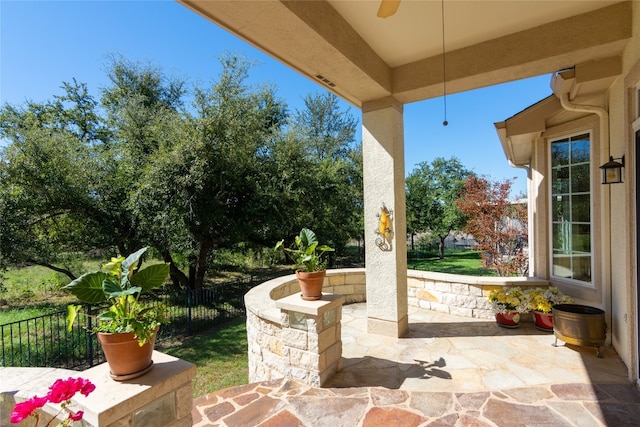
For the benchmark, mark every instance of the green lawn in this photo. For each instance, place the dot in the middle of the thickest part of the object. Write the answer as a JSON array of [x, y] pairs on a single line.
[[219, 355], [459, 262]]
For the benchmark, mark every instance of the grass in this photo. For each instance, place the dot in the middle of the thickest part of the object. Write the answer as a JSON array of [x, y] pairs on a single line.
[[464, 262], [37, 286], [220, 356]]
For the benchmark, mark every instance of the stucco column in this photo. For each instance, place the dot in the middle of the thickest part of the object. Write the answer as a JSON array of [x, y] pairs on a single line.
[[383, 171]]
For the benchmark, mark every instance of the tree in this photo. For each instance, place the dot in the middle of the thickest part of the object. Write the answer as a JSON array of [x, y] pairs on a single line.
[[432, 190], [497, 224], [199, 191], [328, 177], [49, 203], [145, 171]]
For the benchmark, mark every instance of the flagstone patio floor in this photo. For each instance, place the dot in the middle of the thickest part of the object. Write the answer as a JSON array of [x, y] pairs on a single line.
[[449, 371]]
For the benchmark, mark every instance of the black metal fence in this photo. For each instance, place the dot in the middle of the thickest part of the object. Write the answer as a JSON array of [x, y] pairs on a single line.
[[45, 342]]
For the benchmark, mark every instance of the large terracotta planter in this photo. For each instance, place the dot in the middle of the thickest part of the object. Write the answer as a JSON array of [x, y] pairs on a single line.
[[311, 284], [543, 321], [126, 358], [510, 319]]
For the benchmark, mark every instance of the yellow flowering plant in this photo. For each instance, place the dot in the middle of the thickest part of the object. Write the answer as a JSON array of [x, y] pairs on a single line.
[[508, 299], [543, 299]]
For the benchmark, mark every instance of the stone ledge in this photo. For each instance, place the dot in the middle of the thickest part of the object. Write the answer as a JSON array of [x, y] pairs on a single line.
[[313, 308]]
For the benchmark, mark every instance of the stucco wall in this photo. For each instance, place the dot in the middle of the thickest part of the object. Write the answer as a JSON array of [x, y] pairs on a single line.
[[623, 225]]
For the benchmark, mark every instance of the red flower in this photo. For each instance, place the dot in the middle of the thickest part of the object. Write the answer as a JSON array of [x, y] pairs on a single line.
[[23, 409]]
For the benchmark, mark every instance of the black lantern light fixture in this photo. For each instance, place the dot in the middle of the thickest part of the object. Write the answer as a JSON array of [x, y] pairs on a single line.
[[612, 171]]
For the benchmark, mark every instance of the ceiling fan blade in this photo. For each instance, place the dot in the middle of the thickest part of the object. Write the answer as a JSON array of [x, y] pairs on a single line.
[[388, 8]]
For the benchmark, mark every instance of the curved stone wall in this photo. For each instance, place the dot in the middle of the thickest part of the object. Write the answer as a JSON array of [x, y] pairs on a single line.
[[301, 342], [276, 349]]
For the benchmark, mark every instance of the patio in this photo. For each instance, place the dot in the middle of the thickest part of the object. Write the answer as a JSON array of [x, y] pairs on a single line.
[[449, 371]]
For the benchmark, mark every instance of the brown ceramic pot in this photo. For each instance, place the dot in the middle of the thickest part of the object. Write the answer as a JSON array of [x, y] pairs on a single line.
[[311, 284]]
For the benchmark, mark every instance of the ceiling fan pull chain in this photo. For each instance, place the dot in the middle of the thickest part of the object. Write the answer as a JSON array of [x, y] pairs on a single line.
[[444, 71]]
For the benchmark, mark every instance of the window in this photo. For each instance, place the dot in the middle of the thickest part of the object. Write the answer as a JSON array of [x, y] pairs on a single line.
[[571, 208]]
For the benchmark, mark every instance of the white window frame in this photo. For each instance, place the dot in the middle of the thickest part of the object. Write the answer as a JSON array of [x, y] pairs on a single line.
[[591, 285]]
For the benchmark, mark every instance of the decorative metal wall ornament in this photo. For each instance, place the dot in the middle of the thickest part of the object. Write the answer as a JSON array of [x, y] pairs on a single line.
[[385, 229]]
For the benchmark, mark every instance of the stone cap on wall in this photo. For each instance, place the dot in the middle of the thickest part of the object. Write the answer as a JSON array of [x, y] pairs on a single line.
[[260, 300]]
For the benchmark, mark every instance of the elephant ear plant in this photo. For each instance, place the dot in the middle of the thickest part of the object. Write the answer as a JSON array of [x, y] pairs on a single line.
[[119, 284], [307, 253]]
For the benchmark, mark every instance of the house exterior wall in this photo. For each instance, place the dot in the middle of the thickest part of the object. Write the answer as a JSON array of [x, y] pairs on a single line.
[[623, 216], [613, 207]]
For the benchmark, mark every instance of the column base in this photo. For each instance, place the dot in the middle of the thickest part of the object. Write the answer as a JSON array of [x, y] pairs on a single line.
[[388, 328]]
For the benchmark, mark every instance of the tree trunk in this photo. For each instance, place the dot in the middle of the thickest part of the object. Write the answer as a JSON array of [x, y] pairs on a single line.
[[193, 263], [180, 280], [441, 247], [205, 248]]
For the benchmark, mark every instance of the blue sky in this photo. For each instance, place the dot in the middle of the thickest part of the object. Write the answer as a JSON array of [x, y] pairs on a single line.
[[43, 43]]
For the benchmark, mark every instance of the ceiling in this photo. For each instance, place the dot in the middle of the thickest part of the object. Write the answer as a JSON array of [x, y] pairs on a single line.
[[364, 58], [414, 32]]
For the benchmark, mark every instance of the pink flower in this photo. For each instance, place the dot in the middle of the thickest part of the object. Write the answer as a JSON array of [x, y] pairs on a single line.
[[77, 416], [63, 390], [86, 386], [23, 409], [60, 392]]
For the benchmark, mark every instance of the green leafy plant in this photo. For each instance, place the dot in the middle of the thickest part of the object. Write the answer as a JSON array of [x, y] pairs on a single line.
[[307, 253], [120, 283]]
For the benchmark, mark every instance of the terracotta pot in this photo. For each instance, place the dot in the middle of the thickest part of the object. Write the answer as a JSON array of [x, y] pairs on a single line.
[[311, 284], [510, 319], [543, 321], [126, 358]]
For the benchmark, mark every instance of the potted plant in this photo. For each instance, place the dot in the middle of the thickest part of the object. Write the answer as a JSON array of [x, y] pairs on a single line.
[[127, 329], [541, 301], [308, 257], [508, 304]]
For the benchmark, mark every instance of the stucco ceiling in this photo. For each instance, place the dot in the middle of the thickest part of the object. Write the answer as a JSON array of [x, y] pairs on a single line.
[[364, 58], [414, 32]]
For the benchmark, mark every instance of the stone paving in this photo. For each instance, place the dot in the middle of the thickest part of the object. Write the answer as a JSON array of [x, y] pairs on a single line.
[[450, 371]]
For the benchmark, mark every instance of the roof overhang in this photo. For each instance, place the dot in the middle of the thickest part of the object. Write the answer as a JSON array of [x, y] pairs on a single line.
[[344, 46], [585, 84]]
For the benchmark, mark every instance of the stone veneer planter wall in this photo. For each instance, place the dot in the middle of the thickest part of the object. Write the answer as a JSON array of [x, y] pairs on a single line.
[[289, 337], [163, 397], [458, 294]]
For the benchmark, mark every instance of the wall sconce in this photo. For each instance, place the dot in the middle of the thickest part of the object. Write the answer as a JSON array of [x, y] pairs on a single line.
[[612, 171], [385, 229]]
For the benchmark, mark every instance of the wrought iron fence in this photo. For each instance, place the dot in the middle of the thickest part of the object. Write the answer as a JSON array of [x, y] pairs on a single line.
[[45, 342]]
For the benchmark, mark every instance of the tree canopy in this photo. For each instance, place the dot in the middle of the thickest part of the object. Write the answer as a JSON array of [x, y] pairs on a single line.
[[432, 190], [187, 173]]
